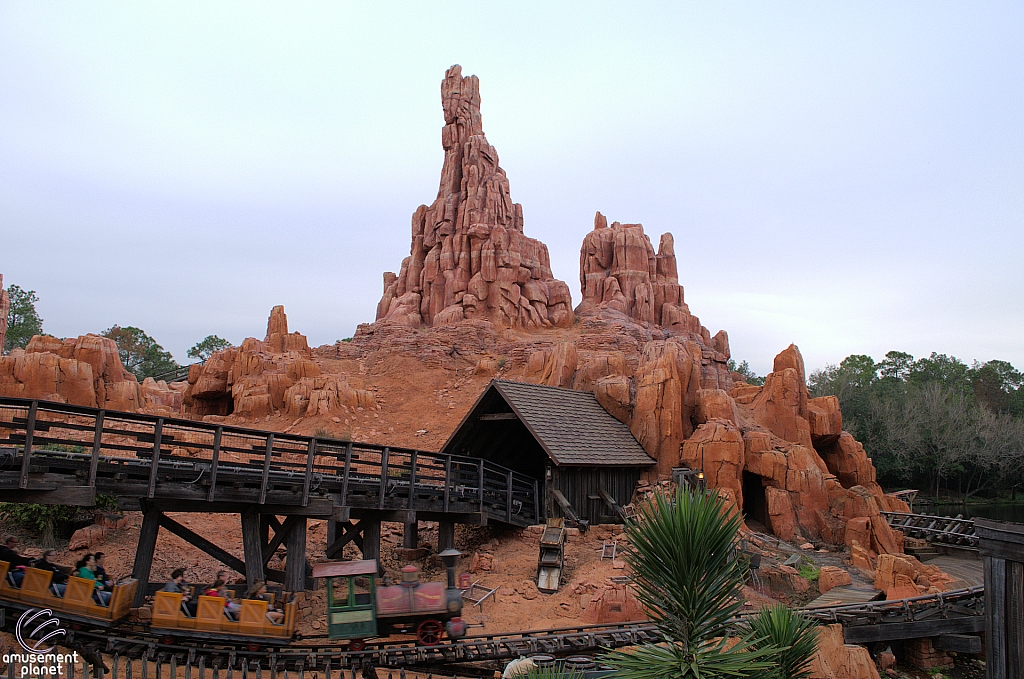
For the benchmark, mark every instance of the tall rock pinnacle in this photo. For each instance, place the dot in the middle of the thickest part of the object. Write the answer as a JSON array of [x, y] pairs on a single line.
[[469, 257]]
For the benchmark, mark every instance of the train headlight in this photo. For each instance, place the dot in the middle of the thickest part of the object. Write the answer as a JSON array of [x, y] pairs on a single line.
[[454, 606]]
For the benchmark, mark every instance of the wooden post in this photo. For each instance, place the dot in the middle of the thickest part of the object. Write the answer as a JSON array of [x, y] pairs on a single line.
[[445, 535], [412, 481], [252, 548], [310, 454], [144, 552], [447, 481], [371, 538], [508, 499], [481, 486], [348, 467], [536, 502], [97, 443], [214, 461], [266, 469], [332, 531], [26, 457], [1002, 545], [411, 537], [383, 475], [295, 567], [158, 431]]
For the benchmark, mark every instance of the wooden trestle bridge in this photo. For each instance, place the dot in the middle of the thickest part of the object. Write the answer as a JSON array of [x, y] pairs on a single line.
[[54, 453], [949, 531]]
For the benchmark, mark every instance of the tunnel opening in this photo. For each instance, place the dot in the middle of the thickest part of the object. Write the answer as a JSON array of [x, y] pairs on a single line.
[[755, 504]]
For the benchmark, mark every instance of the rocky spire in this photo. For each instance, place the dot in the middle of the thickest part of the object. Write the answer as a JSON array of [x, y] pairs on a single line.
[[469, 257]]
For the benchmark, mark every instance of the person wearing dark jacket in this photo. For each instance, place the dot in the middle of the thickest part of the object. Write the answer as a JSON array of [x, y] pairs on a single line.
[[48, 562], [9, 553], [101, 572]]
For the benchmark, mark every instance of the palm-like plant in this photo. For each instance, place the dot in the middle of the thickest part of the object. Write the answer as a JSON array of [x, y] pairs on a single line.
[[688, 577], [793, 636]]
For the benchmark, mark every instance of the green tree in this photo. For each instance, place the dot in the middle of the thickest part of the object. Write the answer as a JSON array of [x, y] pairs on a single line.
[[139, 352], [688, 576], [997, 385], [22, 320], [743, 369], [208, 347]]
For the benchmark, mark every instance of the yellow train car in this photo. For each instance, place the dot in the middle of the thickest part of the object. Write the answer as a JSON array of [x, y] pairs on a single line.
[[77, 603], [211, 619]]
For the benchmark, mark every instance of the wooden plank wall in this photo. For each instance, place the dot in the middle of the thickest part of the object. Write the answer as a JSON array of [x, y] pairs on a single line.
[[580, 484], [1002, 545]]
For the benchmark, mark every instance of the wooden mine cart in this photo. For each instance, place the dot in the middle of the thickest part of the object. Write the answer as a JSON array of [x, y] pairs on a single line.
[[552, 556]]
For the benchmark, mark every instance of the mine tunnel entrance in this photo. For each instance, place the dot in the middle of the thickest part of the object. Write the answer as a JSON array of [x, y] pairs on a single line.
[[755, 506]]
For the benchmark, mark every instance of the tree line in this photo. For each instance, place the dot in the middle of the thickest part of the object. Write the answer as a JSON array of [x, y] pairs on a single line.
[[139, 353], [933, 423]]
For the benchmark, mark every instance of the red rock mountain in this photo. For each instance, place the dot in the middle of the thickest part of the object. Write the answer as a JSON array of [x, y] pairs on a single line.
[[469, 257]]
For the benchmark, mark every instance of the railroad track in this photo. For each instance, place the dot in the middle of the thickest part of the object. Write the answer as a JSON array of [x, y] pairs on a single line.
[[961, 610], [949, 531]]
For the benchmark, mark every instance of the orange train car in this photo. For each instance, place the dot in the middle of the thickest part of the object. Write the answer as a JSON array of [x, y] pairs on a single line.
[[77, 603]]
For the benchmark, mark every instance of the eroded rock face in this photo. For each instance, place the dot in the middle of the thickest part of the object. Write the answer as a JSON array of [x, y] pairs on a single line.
[[268, 377], [470, 258], [85, 371]]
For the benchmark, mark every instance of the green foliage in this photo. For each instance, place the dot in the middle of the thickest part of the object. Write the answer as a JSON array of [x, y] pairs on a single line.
[[106, 502], [210, 345], [791, 636], [140, 353], [501, 362], [43, 520], [808, 571], [743, 368], [688, 576], [22, 319], [556, 671], [933, 423]]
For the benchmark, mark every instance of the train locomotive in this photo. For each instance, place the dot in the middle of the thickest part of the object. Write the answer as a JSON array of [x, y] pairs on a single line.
[[358, 607]]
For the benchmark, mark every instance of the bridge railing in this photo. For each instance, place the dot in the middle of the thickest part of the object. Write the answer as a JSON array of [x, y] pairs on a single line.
[[137, 453]]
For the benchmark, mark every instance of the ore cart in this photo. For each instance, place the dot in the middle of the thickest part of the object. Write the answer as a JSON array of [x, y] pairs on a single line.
[[552, 556]]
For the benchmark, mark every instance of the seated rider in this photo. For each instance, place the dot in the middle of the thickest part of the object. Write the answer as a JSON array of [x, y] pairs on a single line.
[[48, 562], [9, 553], [258, 592], [178, 585], [220, 588], [101, 571], [85, 568]]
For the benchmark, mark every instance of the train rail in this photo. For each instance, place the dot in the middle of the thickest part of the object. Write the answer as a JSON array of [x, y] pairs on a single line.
[[961, 610]]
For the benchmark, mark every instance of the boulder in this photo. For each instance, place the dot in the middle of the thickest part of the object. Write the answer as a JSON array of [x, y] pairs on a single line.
[[836, 659], [830, 577], [666, 382], [716, 403], [717, 447], [87, 538]]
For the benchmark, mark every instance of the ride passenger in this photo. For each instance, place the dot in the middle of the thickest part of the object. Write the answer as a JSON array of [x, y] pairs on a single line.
[[9, 553], [220, 588], [177, 585], [101, 572], [258, 592], [85, 568], [48, 562]]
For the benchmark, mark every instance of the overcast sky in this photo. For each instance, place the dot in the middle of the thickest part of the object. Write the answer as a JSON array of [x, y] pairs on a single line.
[[845, 176]]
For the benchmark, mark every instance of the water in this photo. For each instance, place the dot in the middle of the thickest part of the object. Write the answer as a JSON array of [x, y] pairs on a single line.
[[999, 512]]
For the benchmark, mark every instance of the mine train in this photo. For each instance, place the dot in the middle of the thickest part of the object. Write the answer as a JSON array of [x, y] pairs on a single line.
[[357, 607]]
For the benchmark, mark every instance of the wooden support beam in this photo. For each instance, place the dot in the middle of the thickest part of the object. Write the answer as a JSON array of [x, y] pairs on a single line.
[[215, 462], [371, 539], [196, 540], [466, 519], [497, 417], [383, 476], [447, 480], [350, 532], [158, 429], [411, 535], [395, 515], [97, 443], [319, 508], [280, 534], [310, 454], [959, 643], [26, 455], [144, 552], [508, 497], [866, 634], [72, 496], [348, 468], [445, 535], [295, 565], [266, 468], [252, 547]]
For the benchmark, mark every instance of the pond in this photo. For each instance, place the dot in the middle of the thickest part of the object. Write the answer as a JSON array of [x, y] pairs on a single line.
[[997, 512]]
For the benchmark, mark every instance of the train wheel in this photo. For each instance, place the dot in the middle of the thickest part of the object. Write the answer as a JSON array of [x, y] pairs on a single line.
[[356, 645], [429, 632]]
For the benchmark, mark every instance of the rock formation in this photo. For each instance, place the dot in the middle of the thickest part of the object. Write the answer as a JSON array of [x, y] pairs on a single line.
[[469, 257], [5, 308], [276, 375], [85, 371]]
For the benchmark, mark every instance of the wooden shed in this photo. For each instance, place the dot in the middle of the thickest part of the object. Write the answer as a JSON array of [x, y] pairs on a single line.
[[586, 462]]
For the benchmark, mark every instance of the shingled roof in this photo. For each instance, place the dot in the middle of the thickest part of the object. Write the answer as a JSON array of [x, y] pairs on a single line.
[[572, 427]]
